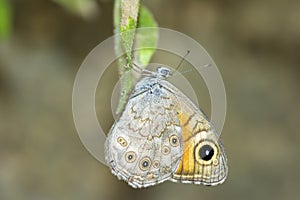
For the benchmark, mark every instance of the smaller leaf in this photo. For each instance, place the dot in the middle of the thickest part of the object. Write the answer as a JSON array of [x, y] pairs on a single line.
[[146, 39]]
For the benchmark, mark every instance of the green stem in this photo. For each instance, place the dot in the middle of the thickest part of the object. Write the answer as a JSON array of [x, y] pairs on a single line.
[[128, 16]]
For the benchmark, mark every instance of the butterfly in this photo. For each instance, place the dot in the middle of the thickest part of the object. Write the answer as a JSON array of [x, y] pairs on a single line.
[[162, 135]]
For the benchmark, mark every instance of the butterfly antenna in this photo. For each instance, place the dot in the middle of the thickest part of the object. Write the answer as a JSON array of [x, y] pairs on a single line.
[[140, 70], [190, 70], [182, 59], [201, 66]]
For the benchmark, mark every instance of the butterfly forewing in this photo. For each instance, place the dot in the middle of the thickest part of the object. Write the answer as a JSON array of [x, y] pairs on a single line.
[[145, 145]]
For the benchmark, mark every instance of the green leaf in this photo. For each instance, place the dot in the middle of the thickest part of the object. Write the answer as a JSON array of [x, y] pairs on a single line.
[[146, 39], [5, 19]]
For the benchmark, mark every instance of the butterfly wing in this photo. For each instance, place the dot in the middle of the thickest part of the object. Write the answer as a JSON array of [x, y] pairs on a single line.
[[203, 160], [144, 146]]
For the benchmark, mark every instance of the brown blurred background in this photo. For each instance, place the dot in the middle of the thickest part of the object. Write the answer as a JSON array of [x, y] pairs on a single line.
[[255, 44]]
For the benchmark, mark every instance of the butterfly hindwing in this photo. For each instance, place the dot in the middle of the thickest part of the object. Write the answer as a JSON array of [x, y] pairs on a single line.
[[203, 160]]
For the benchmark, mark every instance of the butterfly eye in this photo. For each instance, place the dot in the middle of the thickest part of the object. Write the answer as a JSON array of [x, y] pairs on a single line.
[[130, 156], [174, 141], [206, 152], [145, 163]]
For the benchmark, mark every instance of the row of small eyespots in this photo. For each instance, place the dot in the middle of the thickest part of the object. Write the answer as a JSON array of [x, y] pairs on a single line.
[[144, 163]]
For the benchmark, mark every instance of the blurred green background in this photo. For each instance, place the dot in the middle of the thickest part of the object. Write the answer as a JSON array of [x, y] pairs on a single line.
[[255, 44]]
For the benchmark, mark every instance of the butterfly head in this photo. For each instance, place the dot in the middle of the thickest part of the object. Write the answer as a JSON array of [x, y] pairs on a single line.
[[163, 72]]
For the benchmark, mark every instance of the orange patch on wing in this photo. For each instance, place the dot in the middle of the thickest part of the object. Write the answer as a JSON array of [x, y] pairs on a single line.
[[187, 163]]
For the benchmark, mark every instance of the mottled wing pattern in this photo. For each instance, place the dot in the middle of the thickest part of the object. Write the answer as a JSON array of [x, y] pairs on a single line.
[[144, 146], [203, 160]]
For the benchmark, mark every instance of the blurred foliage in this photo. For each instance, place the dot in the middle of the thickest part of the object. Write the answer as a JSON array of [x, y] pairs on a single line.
[[85, 8], [5, 19], [146, 41]]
